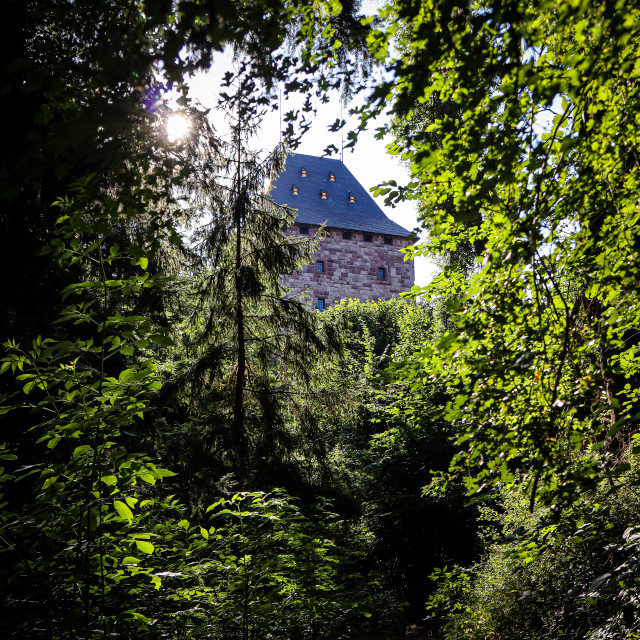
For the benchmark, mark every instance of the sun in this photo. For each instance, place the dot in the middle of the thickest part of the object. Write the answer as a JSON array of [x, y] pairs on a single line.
[[178, 126]]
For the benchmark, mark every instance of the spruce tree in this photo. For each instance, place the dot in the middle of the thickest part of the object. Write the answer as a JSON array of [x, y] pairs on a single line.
[[252, 341]]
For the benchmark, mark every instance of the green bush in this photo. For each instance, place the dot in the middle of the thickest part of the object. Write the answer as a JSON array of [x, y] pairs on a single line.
[[549, 575]]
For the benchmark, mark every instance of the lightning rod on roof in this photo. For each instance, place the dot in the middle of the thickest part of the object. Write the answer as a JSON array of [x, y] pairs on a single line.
[[280, 114], [341, 135]]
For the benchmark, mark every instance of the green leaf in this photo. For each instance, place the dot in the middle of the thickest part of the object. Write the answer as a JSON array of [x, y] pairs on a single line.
[[48, 482], [145, 547], [130, 560], [143, 620], [143, 262], [81, 450], [123, 510], [164, 473], [147, 477]]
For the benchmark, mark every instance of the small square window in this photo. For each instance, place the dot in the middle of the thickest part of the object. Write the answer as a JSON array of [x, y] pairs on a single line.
[[295, 191], [303, 173], [304, 230], [332, 177], [381, 273], [352, 198], [320, 266], [346, 234], [323, 195], [320, 304], [388, 240], [368, 237]]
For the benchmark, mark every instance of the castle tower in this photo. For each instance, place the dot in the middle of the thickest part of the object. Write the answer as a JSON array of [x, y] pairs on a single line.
[[360, 256]]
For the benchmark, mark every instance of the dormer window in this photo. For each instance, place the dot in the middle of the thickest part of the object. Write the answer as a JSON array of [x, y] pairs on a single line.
[[368, 237], [304, 229], [388, 240], [346, 234], [323, 195], [303, 173], [352, 198], [295, 191], [332, 177]]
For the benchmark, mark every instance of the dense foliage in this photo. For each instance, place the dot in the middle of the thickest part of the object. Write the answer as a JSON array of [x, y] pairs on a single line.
[[485, 435], [93, 201], [544, 578], [387, 440], [545, 349], [531, 160], [90, 538]]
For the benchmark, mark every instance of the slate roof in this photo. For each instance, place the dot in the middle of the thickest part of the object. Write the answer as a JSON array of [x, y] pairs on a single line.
[[336, 211]]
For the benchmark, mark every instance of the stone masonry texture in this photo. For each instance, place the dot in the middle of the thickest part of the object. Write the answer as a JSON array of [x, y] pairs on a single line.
[[351, 268]]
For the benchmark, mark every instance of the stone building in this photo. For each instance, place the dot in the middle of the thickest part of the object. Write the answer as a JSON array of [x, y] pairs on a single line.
[[360, 256]]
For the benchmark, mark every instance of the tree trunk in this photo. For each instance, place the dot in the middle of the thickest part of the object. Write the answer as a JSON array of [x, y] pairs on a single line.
[[238, 400]]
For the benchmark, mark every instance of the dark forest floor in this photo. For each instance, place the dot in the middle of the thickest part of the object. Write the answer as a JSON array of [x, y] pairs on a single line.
[[416, 632]]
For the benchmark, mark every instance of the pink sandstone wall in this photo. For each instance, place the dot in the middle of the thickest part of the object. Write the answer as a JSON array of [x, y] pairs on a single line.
[[351, 268]]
